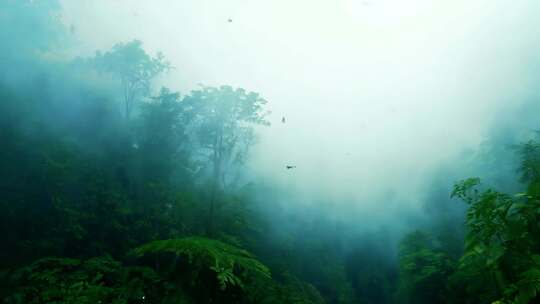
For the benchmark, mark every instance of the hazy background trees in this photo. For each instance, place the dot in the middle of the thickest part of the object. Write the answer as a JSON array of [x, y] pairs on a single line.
[[134, 68]]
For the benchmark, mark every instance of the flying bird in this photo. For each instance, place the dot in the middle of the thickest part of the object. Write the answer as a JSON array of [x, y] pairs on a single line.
[[283, 119], [290, 167], [230, 20]]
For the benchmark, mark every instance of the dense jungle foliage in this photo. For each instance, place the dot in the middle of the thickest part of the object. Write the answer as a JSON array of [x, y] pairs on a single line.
[[113, 190]]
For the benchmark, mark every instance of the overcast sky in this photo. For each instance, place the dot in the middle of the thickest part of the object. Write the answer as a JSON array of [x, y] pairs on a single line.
[[376, 93]]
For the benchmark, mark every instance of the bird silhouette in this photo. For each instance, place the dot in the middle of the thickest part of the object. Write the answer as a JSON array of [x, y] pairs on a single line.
[[230, 20], [290, 167], [283, 119]]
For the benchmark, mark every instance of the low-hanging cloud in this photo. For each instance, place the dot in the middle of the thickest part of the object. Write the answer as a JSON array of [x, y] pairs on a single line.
[[377, 95]]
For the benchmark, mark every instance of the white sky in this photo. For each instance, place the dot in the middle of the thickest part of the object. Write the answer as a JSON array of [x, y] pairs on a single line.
[[376, 93]]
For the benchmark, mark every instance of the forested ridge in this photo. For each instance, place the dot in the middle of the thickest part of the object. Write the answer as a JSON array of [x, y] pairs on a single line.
[[114, 189]]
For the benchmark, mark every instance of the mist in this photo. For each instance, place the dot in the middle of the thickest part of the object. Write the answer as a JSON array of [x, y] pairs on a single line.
[[376, 95], [378, 107]]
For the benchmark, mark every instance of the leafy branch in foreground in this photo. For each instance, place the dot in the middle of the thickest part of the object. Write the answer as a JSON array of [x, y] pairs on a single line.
[[230, 264], [499, 248]]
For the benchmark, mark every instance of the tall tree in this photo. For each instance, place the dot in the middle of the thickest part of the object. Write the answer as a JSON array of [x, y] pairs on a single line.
[[223, 131], [161, 136], [135, 69]]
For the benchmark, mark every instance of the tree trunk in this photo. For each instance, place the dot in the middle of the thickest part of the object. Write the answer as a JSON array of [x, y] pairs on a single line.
[[210, 227], [215, 185]]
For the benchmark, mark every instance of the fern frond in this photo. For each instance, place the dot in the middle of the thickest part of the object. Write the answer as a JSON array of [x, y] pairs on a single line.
[[222, 258]]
